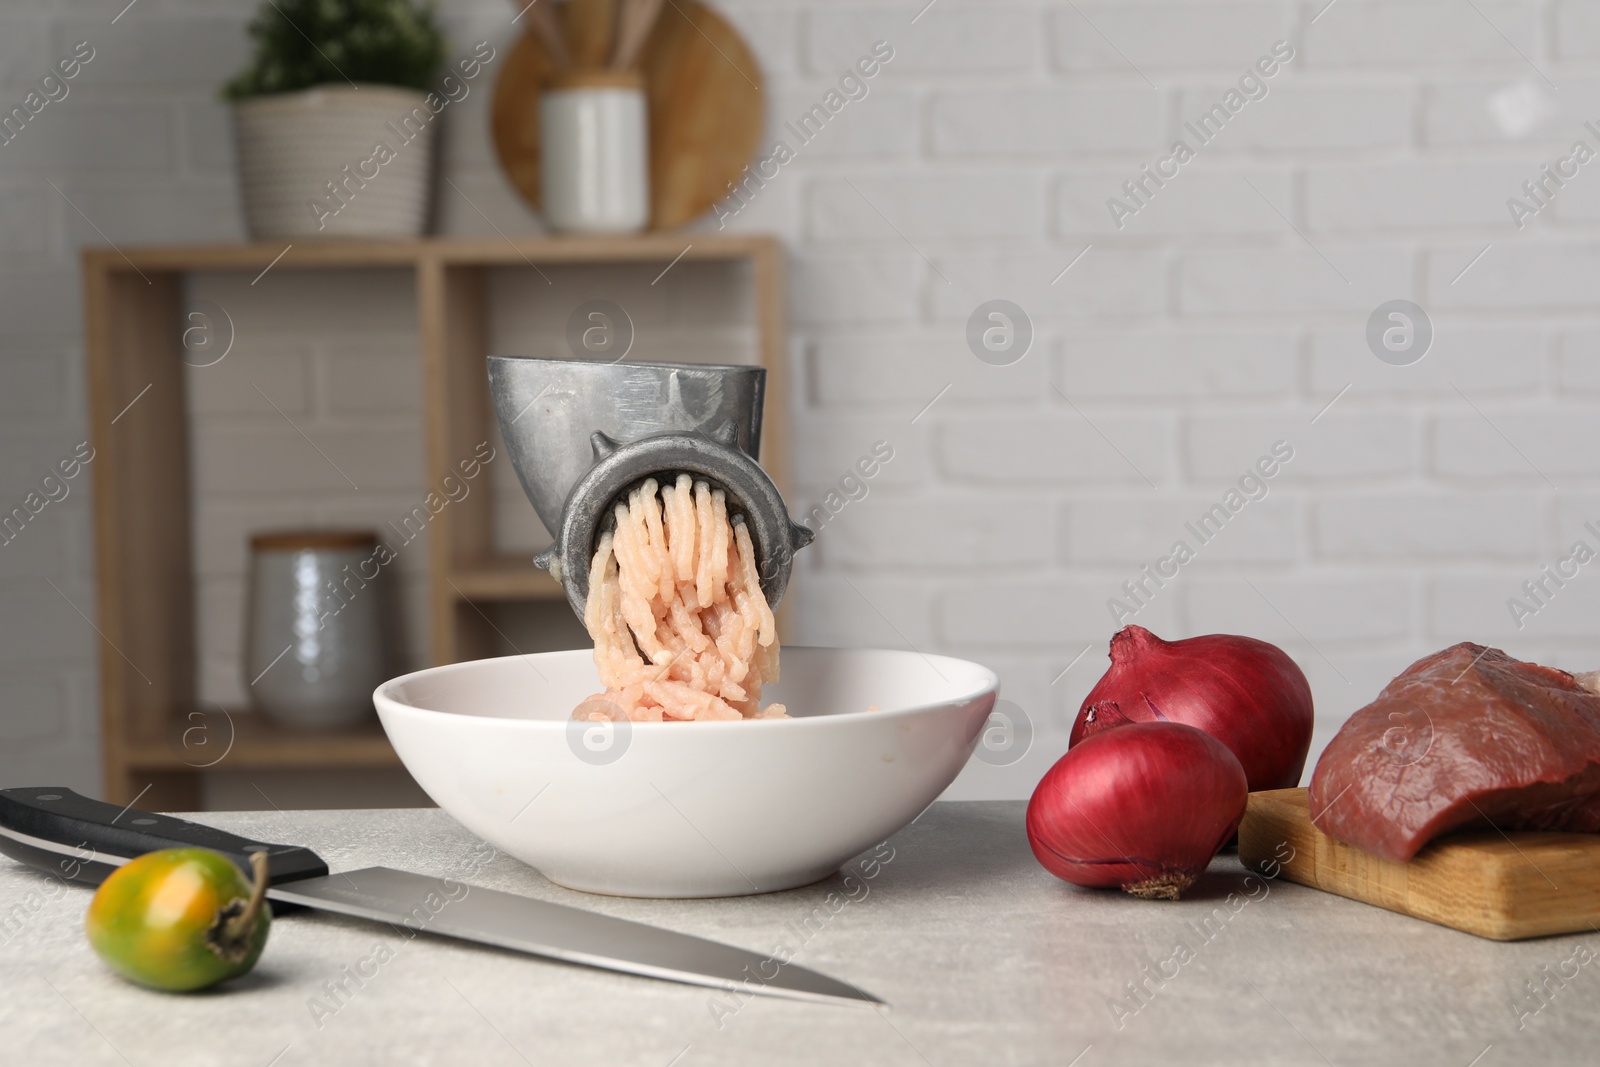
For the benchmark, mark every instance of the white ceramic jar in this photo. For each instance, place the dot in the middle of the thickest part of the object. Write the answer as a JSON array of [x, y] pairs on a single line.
[[316, 640], [594, 150]]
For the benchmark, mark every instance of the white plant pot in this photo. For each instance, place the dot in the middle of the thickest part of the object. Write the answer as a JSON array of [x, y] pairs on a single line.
[[335, 161], [595, 154]]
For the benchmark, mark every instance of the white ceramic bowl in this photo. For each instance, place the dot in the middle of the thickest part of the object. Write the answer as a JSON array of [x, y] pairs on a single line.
[[693, 809]]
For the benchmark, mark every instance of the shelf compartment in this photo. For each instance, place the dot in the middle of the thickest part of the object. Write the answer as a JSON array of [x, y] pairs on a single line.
[[480, 603], [234, 740], [503, 578]]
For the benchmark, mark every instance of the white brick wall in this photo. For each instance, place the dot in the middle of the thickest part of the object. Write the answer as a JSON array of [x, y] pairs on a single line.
[[929, 204], [1173, 365], [1217, 320], [1218, 202], [1406, 196], [1045, 123], [1404, 33], [1159, 35], [1146, 527]]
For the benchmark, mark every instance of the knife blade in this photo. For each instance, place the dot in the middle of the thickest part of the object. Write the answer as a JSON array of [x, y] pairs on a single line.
[[77, 839]]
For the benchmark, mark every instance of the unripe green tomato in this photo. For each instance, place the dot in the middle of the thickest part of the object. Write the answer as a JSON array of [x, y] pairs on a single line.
[[180, 919]]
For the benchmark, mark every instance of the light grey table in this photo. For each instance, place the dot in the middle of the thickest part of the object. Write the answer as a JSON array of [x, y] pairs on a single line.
[[983, 956]]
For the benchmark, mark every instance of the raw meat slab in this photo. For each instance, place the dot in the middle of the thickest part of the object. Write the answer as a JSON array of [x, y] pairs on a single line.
[[1465, 739]]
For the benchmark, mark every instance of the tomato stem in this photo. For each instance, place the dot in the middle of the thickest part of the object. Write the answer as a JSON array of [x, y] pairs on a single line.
[[245, 924], [234, 931]]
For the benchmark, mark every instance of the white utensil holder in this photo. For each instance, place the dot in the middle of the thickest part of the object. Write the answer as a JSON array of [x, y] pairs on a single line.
[[318, 627], [595, 153]]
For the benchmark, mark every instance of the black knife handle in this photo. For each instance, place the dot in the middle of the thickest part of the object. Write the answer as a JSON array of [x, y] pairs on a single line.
[[81, 840]]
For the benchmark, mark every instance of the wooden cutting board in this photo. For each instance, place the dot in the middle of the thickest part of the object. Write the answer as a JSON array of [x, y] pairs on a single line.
[[1504, 886], [704, 91]]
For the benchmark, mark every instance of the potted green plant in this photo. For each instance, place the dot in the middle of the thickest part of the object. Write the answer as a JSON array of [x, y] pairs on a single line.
[[332, 121]]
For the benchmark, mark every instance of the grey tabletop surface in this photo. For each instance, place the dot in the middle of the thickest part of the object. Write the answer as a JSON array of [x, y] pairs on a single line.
[[983, 957]]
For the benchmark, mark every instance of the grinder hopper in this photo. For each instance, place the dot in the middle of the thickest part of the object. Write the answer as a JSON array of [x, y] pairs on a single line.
[[581, 434]]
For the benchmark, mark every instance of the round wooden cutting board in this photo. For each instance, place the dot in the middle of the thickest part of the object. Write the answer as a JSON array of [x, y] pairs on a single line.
[[705, 96]]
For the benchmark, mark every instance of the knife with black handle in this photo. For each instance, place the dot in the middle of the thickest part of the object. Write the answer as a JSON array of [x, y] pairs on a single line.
[[81, 840]]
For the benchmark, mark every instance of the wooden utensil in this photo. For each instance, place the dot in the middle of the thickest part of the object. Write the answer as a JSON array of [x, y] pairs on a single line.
[[1503, 886], [542, 22], [704, 90], [638, 17], [591, 30]]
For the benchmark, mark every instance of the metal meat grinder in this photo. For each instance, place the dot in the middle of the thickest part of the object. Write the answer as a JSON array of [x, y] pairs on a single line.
[[583, 434]]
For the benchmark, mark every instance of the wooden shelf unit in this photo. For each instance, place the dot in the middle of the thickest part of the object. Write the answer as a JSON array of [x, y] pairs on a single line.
[[253, 742], [144, 557]]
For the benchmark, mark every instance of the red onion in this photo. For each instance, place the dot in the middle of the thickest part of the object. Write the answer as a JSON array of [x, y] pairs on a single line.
[[1144, 807], [1246, 693]]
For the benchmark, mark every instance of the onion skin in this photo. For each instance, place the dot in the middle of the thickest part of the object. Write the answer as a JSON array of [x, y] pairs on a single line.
[[1143, 807], [1248, 694]]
